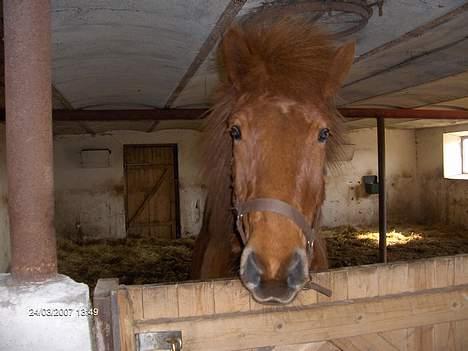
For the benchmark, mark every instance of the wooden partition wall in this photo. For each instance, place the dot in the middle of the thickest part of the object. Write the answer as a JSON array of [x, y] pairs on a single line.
[[419, 305]]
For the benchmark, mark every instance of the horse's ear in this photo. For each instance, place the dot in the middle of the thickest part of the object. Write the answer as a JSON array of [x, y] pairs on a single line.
[[340, 66], [235, 55]]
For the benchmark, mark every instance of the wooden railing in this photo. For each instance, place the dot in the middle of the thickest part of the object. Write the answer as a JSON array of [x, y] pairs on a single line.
[[419, 305]]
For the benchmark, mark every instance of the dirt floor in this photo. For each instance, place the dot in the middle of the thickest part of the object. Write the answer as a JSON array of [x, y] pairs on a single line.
[[142, 261]]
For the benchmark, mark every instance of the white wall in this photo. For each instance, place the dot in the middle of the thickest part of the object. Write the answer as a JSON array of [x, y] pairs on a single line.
[[346, 201], [92, 199], [442, 200]]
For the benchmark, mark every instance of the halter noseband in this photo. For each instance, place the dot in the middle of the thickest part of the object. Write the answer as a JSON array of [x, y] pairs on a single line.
[[285, 209], [276, 206]]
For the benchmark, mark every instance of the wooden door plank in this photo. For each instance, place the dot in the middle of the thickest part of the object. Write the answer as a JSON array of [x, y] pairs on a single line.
[[421, 338], [196, 299], [461, 335], [161, 207], [339, 285], [328, 346], [148, 196], [305, 298], [316, 346], [322, 279], [397, 338], [393, 278], [461, 269], [444, 336], [365, 342], [255, 306], [315, 323], [230, 296], [160, 302], [363, 282], [344, 345], [126, 322], [444, 271], [136, 301], [420, 275]]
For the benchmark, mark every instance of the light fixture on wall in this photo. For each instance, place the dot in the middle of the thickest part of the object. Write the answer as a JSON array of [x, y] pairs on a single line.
[[340, 17]]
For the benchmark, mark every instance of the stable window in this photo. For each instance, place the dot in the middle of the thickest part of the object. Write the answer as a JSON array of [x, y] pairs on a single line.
[[465, 155], [456, 155]]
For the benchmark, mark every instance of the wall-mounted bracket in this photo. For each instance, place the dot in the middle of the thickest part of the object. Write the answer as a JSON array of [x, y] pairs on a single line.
[[159, 341], [371, 184]]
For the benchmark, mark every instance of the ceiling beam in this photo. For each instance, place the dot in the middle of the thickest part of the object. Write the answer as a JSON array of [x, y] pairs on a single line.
[[198, 114], [129, 115], [226, 18], [403, 113], [58, 96]]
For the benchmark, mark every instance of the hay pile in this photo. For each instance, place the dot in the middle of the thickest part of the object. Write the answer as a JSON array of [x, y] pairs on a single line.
[[144, 260], [133, 261], [348, 246]]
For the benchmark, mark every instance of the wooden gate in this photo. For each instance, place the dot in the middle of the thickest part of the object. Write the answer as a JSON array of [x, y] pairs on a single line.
[[152, 201], [421, 305]]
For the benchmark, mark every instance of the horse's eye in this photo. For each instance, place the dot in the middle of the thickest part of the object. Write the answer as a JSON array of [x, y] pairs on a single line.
[[324, 133], [235, 132]]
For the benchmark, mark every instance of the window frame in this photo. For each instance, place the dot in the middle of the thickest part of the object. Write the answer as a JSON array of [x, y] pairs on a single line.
[[463, 140], [453, 151]]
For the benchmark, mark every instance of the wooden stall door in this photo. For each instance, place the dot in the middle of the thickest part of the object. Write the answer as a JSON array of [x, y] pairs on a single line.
[[152, 191], [402, 306]]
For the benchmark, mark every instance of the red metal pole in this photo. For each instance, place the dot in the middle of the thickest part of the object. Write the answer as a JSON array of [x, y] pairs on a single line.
[[28, 108], [403, 113], [161, 114]]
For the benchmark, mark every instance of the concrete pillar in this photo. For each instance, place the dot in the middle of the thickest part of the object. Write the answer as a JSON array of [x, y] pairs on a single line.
[[27, 36], [52, 315]]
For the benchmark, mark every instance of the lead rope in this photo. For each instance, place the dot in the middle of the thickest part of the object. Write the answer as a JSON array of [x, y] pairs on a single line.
[[310, 285]]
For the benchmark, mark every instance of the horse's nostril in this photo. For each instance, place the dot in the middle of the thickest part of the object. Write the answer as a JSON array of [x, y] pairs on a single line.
[[251, 271], [297, 271], [280, 288]]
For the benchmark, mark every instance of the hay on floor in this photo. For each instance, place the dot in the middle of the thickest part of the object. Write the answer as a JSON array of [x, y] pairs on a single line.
[[348, 246], [133, 261], [145, 261]]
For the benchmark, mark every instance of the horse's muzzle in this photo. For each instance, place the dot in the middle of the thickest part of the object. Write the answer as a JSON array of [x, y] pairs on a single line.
[[283, 288]]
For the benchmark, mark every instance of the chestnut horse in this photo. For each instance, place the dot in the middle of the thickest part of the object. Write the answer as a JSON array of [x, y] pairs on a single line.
[[266, 155]]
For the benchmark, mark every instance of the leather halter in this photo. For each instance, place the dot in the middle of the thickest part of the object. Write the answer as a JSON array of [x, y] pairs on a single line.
[[275, 206], [285, 209]]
